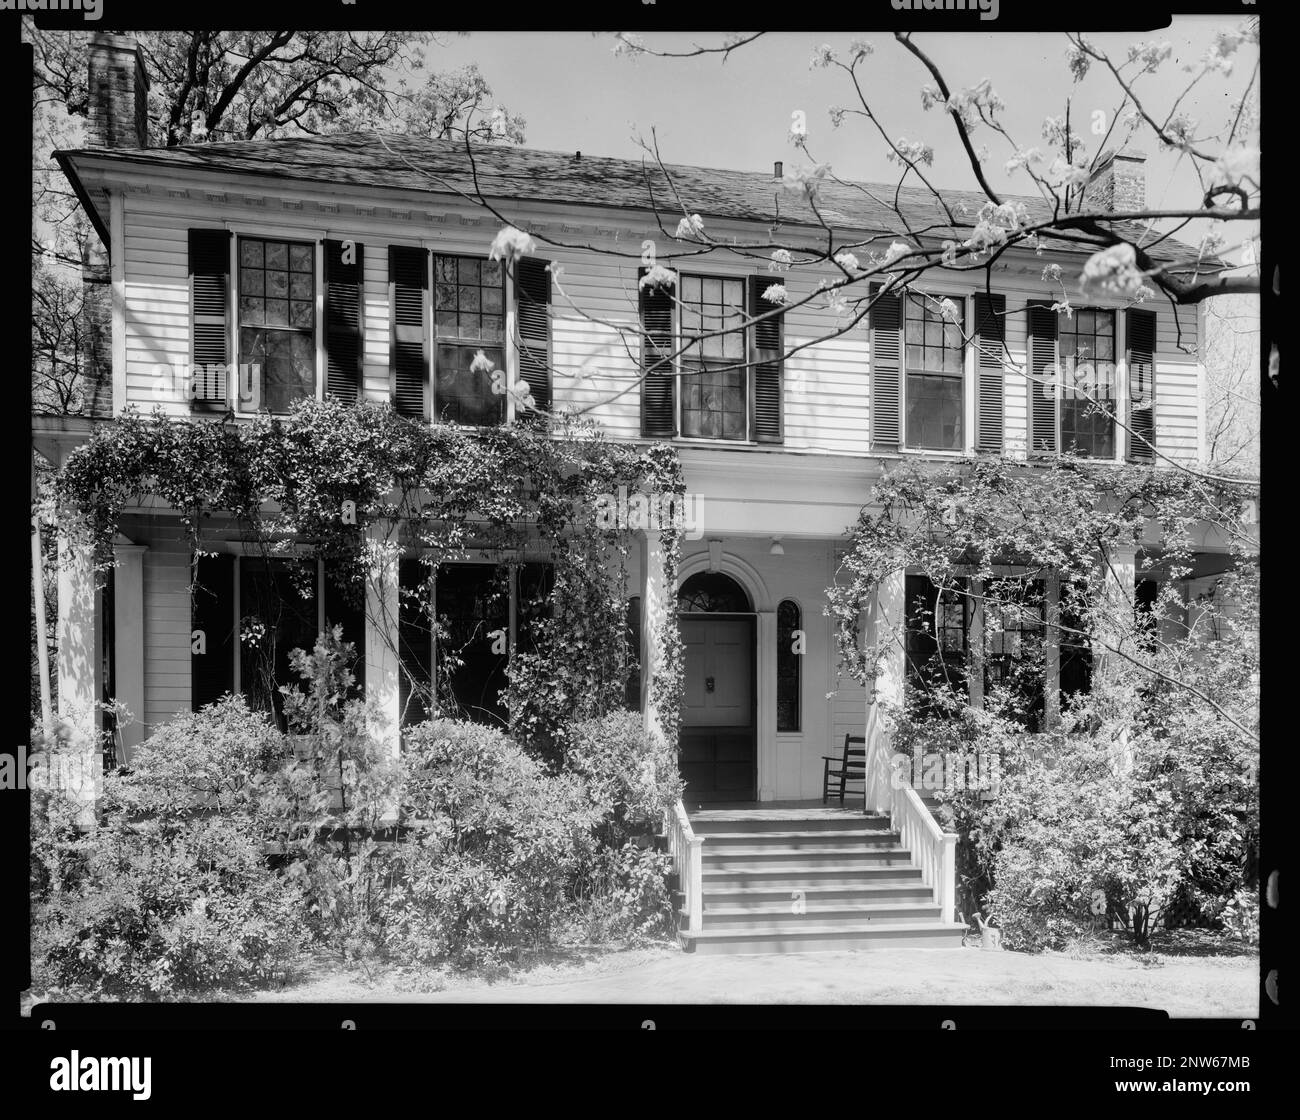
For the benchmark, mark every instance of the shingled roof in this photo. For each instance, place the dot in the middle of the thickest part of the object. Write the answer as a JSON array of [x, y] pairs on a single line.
[[370, 160]]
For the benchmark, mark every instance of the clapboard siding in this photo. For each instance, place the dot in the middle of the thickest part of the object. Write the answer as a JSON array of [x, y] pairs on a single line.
[[595, 346], [166, 618]]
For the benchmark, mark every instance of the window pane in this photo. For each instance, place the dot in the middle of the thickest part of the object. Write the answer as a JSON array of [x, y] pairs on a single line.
[[287, 362], [277, 283], [713, 404], [934, 412], [300, 285], [465, 397], [250, 252], [277, 254], [300, 258]]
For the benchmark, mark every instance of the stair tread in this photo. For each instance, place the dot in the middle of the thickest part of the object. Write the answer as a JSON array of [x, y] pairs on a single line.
[[741, 837], [871, 908], [774, 852], [806, 929], [815, 891], [847, 869]]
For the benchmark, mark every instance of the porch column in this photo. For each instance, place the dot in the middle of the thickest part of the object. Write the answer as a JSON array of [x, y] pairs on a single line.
[[1116, 623], [128, 641], [975, 674], [1051, 651], [766, 729], [79, 675], [884, 628], [382, 669], [657, 599]]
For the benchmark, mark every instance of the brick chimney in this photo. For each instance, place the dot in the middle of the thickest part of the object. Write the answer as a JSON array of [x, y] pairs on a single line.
[[1120, 182], [118, 118], [119, 93]]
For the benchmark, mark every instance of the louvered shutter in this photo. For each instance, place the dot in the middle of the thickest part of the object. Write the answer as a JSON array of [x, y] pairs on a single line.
[[658, 383], [885, 334], [1141, 332], [408, 360], [209, 264], [990, 337], [1044, 377], [212, 610], [533, 313], [766, 382], [344, 321]]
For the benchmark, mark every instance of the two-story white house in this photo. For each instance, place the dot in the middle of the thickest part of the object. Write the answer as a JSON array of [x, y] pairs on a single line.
[[230, 256]]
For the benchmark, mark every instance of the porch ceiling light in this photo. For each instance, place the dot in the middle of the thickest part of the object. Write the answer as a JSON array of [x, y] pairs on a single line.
[[776, 549]]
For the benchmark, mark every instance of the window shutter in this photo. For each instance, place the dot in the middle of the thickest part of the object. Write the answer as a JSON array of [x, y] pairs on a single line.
[[1044, 378], [209, 261], [990, 336], [533, 314], [408, 353], [345, 329], [658, 383], [212, 610], [766, 382], [1141, 332], [885, 334], [345, 606]]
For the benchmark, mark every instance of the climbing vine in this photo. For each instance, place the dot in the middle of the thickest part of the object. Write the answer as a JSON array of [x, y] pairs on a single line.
[[979, 519], [361, 486]]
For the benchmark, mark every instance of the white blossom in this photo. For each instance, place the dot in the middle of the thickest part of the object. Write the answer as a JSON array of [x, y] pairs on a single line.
[[1078, 59], [1237, 166], [930, 96], [837, 116], [776, 293], [658, 277], [896, 250], [910, 151], [691, 228], [805, 180], [511, 243], [1052, 274], [822, 56], [948, 310], [481, 363], [859, 49], [847, 260], [1064, 305], [1149, 56], [780, 261], [1113, 270], [1023, 158]]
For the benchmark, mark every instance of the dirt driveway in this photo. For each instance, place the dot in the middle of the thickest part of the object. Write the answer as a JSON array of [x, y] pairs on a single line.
[[1183, 986]]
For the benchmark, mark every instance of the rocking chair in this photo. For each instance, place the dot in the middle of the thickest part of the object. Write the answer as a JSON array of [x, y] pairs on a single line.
[[851, 766]]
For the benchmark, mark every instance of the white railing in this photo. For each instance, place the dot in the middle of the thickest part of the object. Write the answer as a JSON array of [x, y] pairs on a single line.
[[932, 849], [688, 862]]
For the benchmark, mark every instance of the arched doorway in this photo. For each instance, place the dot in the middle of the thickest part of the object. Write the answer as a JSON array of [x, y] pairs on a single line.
[[718, 741]]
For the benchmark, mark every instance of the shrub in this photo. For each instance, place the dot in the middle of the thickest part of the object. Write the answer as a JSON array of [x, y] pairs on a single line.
[[170, 891], [631, 777], [493, 846]]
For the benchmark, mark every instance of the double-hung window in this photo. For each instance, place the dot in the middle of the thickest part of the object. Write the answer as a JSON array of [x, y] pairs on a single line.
[[935, 399], [714, 376], [277, 321], [1086, 342], [469, 298]]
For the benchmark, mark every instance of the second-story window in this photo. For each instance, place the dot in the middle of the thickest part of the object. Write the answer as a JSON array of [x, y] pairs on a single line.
[[715, 391], [1086, 342], [935, 396], [277, 320], [468, 315]]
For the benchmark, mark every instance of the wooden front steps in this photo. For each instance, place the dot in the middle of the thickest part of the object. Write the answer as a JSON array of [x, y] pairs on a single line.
[[809, 880]]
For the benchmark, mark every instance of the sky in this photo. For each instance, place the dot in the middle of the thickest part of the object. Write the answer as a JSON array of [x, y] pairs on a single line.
[[576, 95]]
